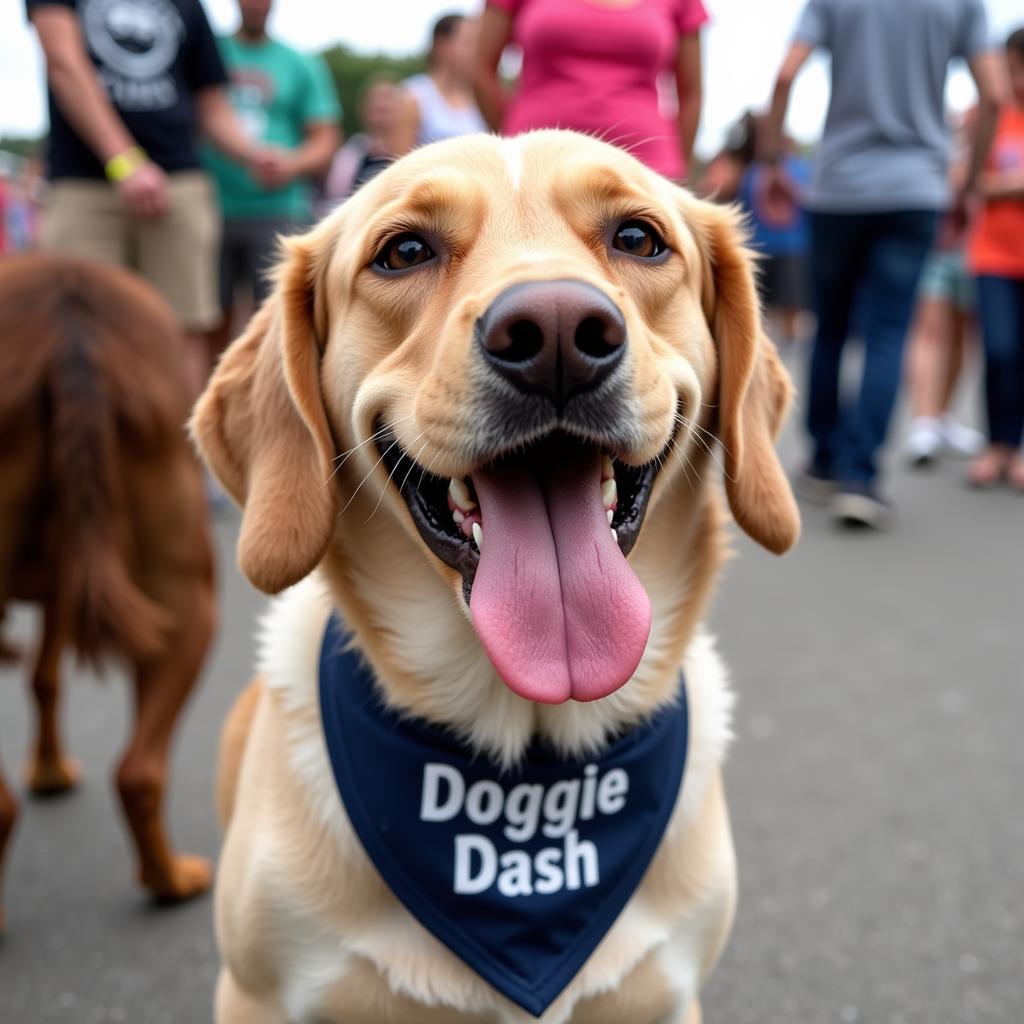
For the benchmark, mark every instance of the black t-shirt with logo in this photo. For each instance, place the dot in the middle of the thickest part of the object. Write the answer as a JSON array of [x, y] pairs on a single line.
[[152, 57]]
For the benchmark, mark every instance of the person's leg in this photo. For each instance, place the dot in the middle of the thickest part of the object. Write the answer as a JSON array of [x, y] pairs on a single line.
[[788, 296], [232, 253], [266, 252], [837, 254], [1001, 314], [87, 219], [898, 248], [1015, 470], [959, 439], [959, 325], [929, 337], [926, 356], [178, 255]]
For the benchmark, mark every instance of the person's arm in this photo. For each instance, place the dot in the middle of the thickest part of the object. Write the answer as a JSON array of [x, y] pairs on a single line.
[[987, 71], [689, 89], [216, 119], [769, 143], [309, 160], [1003, 185], [721, 180], [314, 156], [494, 35], [318, 117], [90, 113]]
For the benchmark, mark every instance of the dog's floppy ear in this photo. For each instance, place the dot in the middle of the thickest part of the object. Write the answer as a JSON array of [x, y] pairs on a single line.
[[262, 428], [754, 389]]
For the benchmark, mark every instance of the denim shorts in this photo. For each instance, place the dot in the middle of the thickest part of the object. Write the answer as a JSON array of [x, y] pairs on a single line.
[[946, 278]]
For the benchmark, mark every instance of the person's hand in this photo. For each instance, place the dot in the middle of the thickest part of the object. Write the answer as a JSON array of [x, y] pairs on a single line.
[[272, 167], [144, 192], [954, 226], [777, 196]]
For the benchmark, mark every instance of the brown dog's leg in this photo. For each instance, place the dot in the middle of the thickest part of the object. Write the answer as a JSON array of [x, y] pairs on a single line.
[[49, 771], [8, 815], [162, 686]]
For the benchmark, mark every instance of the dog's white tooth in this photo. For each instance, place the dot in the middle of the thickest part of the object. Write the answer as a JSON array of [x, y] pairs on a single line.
[[458, 517], [607, 468], [615, 535], [460, 495], [609, 493], [611, 516], [478, 536]]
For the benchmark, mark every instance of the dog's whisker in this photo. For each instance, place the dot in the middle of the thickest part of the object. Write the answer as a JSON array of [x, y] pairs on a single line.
[[713, 454], [413, 463], [426, 471], [686, 466], [384, 489], [683, 418], [705, 444], [369, 474], [344, 456]]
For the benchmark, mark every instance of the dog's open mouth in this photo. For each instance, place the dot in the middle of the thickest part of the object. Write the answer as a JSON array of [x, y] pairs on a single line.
[[540, 538]]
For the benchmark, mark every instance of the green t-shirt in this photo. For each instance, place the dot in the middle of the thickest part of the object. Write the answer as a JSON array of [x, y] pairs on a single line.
[[277, 93]]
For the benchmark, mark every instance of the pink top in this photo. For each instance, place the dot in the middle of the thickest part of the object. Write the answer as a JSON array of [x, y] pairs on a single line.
[[595, 68]]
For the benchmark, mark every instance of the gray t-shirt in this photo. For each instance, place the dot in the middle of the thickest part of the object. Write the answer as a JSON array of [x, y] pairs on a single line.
[[886, 144]]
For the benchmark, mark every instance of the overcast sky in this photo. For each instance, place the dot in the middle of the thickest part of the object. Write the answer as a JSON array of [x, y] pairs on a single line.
[[742, 49]]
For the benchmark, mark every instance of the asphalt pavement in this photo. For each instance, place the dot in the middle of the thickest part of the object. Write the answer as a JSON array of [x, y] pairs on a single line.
[[876, 788]]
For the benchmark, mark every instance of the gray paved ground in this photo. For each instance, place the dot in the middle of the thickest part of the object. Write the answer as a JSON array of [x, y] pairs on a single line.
[[877, 792]]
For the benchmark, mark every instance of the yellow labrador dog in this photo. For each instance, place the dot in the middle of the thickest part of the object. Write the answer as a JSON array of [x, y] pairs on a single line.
[[475, 433]]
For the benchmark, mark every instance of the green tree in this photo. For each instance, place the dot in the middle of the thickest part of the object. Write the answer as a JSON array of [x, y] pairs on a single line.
[[20, 146]]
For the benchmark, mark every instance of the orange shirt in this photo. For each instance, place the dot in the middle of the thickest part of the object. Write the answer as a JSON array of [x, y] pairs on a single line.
[[997, 242]]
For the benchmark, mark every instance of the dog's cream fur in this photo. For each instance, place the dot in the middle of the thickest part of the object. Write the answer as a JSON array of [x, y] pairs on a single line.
[[307, 929]]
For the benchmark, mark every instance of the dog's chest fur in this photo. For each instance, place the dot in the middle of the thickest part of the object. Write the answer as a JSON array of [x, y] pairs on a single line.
[[301, 909]]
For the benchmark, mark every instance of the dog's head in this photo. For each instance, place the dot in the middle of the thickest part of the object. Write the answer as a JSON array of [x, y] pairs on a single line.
[[512, 350]]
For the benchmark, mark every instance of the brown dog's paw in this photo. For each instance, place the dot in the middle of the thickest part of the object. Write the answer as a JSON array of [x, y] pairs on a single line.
[[53, 777], [189, 877]]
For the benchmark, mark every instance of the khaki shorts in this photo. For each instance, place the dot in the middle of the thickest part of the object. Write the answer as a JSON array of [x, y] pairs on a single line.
[[177, 254]]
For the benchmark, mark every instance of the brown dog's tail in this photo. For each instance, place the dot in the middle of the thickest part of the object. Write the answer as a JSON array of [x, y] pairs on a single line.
[[98, 605]]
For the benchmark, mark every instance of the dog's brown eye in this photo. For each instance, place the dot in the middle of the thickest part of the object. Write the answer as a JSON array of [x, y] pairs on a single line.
[[638, 239], [403, 252]]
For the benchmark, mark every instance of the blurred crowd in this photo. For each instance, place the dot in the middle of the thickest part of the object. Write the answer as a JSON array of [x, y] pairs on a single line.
[[186, 156]]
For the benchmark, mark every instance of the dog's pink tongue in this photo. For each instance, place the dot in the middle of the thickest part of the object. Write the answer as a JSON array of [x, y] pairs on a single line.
[[554, 602]]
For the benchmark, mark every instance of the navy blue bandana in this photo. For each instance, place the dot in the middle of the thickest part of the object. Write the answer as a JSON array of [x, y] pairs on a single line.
[[521, 872]]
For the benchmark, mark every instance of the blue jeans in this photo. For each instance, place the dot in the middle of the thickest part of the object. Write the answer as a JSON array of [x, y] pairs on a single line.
[[1001, 311], [875, 261]]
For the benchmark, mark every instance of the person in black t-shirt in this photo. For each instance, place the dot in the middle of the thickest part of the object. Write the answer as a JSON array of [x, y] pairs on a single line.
[[131, 85]]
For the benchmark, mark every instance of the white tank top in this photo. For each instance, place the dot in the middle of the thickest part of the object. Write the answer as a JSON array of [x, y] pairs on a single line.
[[438, 118]]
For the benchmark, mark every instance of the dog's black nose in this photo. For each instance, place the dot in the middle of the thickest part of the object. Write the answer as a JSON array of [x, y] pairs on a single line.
[[553, 338]]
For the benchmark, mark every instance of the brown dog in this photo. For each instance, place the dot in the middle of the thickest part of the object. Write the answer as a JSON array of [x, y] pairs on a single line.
[[476, 421], [103, 521]]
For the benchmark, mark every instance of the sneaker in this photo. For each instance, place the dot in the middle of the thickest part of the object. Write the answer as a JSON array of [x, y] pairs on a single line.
[[860, 505], [814, 486], [925, 441], [964, 442]]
